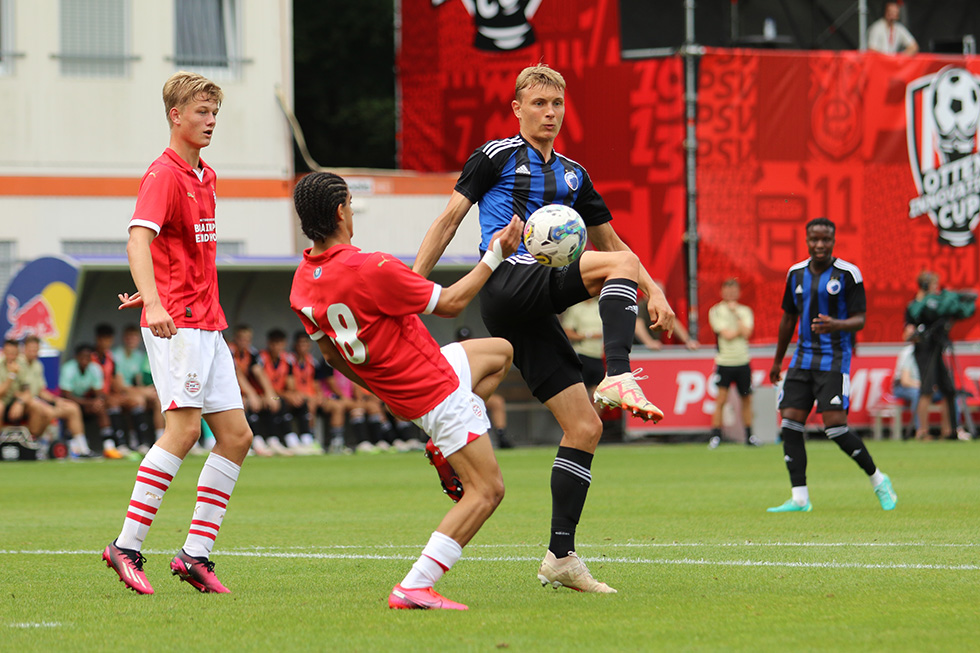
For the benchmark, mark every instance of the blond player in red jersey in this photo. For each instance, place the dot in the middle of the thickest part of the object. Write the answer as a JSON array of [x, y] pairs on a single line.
[[171, 253], [367, 306]]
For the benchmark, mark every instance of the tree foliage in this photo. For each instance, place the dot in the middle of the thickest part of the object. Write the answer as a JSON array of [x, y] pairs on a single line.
[[344, 81]]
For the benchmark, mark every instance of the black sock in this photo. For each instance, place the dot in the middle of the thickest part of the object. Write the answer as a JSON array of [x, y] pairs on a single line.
[[303, 420], [748, 434], [570, 480], [118, 422], [617, 308], [794, 451], [144, 430], [358, 425], [853, 447], [716, 433]]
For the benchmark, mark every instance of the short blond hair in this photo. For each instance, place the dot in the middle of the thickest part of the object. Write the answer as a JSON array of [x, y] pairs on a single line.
[[184, 87], [539, 75]]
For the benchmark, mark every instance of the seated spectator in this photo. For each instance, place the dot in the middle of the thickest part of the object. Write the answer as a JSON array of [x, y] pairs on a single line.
[[257, 394], [335, 403], [119, 399], [303, 393], [53, 406], [277, 368], [16, 407], [81, 380], [130, 358]]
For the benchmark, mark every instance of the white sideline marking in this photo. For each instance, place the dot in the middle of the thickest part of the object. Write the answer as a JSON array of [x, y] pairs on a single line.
[[305, 554], [42, 624]]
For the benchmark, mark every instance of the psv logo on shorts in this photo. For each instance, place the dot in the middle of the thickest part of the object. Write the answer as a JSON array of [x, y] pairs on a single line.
[[476, 409], [192, 385]]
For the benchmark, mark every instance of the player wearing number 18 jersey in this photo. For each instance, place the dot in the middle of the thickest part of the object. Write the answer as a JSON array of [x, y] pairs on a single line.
[[362, 310]]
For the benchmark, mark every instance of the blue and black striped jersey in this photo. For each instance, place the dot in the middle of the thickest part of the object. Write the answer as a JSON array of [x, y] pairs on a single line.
[[509, 177], [837, 292]]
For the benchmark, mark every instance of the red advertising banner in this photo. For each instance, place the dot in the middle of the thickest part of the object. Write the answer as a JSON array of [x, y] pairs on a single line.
[[623, 121], [680, 384], [884, 146]]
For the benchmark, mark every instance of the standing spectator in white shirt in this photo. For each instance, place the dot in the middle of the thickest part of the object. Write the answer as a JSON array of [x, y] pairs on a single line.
[[889, 36]]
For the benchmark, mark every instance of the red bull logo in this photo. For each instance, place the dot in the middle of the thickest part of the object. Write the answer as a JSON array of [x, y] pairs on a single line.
[[34, 318], [40, 301]]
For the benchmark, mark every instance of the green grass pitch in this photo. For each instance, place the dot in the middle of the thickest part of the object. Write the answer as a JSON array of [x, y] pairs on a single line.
[[312, 546]]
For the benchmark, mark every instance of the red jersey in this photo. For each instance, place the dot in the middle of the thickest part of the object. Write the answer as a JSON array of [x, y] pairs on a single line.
[[368, 305], [179, 207]]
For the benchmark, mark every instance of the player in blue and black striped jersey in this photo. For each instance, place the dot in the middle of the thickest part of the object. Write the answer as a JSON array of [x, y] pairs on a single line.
[[825, 297], [521, 301]]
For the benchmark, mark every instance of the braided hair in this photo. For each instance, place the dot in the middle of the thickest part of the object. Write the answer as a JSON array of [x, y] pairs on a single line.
[[317, 197]]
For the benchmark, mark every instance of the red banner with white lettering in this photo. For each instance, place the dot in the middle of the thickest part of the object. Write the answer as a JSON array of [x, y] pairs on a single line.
[[681, 384], [623, 121], [884, 146]]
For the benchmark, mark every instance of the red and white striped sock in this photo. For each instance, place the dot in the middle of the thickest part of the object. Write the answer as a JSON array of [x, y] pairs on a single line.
[[156, 471], [214, 489], [438, 556]]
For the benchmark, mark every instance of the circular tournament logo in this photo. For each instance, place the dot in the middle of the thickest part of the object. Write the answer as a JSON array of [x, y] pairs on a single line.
[[317, 272], [476, 409], [833, 286], [571, 179]]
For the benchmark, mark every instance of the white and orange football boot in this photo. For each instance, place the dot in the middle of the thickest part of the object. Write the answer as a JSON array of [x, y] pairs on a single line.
[[622, 391]]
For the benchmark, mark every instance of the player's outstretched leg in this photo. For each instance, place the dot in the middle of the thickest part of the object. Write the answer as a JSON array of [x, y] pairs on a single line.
[[617, 308], [622, 391], [478, 469]]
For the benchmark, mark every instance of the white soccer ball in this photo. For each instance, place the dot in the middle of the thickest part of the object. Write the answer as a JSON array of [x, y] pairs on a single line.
[[555, 235], [957, 104]]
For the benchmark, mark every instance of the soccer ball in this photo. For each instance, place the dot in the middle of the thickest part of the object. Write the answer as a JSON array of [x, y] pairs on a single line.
[[956, 108], [555, 235]]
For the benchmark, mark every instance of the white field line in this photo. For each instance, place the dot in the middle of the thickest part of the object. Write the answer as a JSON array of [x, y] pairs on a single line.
[[38, 624], [307, 553]]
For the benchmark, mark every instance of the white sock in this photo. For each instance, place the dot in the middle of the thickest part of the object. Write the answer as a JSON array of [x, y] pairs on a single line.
[[876, 478], [438, 556], [156, 471], [214, 488], [801, 495], [79, 444]]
